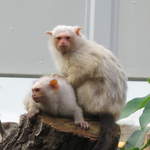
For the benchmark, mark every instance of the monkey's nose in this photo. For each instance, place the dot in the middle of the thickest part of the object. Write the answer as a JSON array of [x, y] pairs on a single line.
[[62, 44]]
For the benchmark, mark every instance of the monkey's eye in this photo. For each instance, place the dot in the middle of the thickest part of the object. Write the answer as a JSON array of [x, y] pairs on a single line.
[[68, 37], [37, 89], [58, 38]]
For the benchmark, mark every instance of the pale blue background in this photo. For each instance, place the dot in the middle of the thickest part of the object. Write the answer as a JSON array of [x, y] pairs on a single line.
[[13, 91]]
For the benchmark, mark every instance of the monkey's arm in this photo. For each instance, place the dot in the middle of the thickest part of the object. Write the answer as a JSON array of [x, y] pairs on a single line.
[[33, 111], [79, 119], [31, 106]]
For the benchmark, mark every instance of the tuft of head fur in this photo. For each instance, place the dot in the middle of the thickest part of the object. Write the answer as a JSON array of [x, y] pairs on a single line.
[[63, 28], [42, 82]]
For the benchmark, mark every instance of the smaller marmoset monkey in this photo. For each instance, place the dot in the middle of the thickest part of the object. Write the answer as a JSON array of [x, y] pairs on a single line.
[[55, 96]]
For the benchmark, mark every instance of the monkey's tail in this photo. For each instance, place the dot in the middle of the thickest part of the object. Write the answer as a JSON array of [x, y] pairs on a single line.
[[107, 140]]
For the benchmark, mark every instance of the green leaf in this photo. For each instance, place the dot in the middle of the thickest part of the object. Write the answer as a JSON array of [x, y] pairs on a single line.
[[136, 139], [134, 105], [145, 117], [133, 148], [148, 80]]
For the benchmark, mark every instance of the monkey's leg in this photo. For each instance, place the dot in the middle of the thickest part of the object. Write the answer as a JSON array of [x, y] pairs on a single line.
[[108, 139]]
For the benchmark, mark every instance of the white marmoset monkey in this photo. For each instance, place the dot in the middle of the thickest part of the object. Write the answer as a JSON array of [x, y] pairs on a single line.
[[94, 72], [54, 95]]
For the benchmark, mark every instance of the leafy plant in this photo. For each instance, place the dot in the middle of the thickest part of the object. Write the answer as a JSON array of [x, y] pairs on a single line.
[[136, 140]]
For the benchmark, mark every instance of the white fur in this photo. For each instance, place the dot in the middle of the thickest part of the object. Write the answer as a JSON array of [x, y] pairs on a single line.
[[59, 102], [95, 72]]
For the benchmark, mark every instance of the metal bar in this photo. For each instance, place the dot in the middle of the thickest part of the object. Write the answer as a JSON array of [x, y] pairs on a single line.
[[114, 26], [92, 20], [39, 75], [21, 75], [137, 79]]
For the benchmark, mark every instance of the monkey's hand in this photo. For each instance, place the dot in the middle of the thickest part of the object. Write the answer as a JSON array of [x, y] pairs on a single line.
[[32, 114], [82, 124]]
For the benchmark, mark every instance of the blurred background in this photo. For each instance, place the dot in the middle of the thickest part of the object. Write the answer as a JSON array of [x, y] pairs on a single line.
[[123, 26]]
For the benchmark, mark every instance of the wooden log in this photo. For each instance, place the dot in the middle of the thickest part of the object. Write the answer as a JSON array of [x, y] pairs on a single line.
[[49, 133]]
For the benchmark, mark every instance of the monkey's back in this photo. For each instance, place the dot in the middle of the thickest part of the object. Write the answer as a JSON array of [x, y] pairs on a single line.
[[106, 90], [61, 101]]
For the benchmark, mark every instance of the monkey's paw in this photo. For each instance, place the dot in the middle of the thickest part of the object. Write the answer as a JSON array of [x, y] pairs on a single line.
[[31, 115], [82, 124]]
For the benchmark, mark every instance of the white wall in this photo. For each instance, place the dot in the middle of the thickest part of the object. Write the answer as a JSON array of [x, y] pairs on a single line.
[[134, 37], [122, 26], [24, 48]]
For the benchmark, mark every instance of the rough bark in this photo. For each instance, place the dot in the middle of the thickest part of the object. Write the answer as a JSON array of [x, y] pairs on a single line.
[[48, 133]]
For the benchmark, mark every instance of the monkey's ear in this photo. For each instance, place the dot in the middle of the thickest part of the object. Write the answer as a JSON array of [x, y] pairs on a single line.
[[54, 84], [77, 30], [49, 33]]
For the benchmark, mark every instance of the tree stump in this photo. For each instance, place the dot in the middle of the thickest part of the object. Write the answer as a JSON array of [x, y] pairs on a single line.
[[51, 133]]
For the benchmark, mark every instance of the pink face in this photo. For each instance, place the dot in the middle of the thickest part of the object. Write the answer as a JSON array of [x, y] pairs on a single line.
[[39, 91], [63, 42], [37, 94]]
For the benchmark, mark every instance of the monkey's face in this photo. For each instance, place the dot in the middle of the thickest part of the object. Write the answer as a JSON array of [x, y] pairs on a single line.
[[64, 42], [43, 89], [65, 39], [38, 94]]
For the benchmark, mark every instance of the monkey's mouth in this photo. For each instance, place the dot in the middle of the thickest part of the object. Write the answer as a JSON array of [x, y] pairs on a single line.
[[63, 49], [37, 99]]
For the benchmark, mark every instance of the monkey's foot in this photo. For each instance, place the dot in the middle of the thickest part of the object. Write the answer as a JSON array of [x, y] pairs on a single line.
[[82, 124]]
